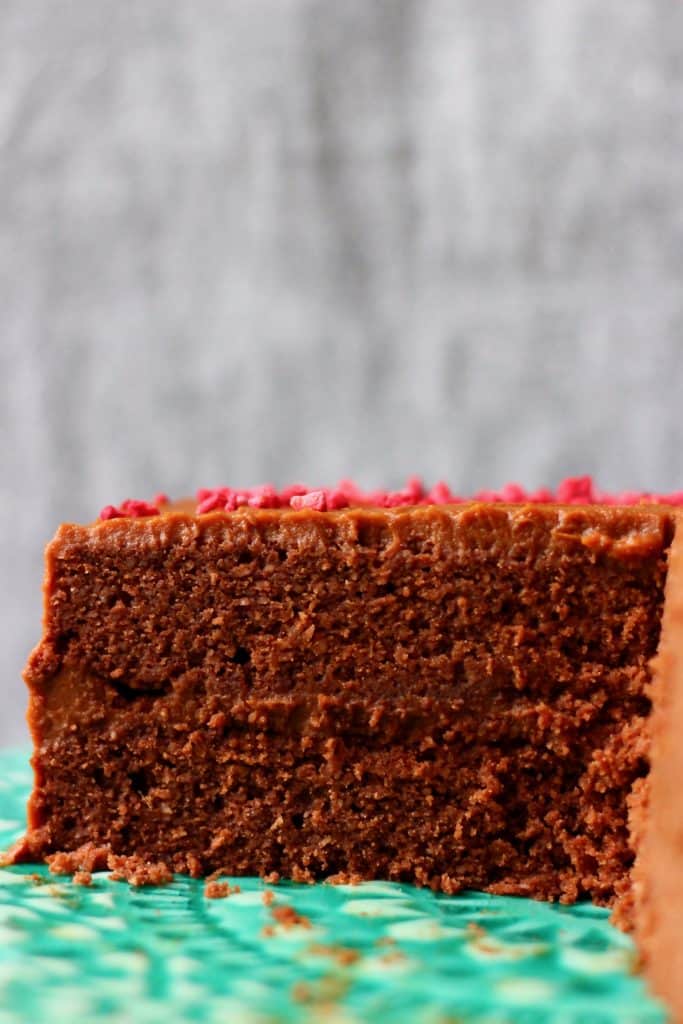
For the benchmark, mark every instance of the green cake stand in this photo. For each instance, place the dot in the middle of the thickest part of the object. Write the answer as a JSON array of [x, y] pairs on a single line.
[[376, 952]]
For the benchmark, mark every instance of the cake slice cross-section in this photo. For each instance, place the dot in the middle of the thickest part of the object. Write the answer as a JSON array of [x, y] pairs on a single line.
[[453, 694]]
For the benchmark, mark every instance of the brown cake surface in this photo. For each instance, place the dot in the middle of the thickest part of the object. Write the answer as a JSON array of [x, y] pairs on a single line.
[[452, 695], [658, 876]]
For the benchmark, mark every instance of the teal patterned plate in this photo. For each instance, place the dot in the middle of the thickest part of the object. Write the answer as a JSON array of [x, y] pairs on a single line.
[[341, 954]]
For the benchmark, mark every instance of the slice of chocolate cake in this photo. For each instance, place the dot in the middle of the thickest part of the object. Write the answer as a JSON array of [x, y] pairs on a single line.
[[406, 687]]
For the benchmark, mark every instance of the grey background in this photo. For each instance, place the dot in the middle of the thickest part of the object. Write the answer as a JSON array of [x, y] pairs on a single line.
[[252, 240]]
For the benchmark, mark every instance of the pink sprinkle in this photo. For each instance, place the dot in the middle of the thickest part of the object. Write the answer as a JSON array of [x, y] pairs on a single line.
[[351, 490], [573, 491], [212, 499], [577, 490], [414, 491], [129, 509], [205, 492], [440, 494], [264, 497], [540, 496], [337, 499], [161, 499], [293, 491], [376, 499], [412, 494], [394, 499], [513, 493], [629, 498], [138, 509], [209, 503], [110, 512], [312, 499], [487, 496], [676, 498]]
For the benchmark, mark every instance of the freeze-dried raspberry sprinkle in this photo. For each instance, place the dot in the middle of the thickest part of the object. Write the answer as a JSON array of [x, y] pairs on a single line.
[[579, 490], [572, 491], [316, 500], [110, 512], [130, 509]]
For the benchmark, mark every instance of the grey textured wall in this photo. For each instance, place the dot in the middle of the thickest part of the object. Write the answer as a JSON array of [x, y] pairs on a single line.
[[271, 239]]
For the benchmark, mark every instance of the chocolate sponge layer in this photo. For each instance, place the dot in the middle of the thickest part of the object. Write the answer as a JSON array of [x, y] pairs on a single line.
[[454, 696]]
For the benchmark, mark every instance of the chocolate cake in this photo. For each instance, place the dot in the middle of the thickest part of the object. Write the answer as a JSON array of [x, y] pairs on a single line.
[[403, 686]]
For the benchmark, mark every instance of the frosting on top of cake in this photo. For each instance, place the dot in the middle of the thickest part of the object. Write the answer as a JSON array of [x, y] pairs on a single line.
[[572, 491]]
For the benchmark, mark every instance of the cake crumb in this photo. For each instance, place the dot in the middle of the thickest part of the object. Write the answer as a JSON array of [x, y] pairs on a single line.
[[344, 878], [301, 992], [268, 897], [37, 879], [285, 915], [288, 917], [272, 878], [137, 871], [194, 866], [344, 955], [218, 873], [393, 956], [322, 993], [219, 890], [18, 853], [84, 860]]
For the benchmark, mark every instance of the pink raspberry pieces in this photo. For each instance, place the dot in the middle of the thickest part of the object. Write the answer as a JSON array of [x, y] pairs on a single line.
[[210, 500], [238, 500], [129, 509], [540, 496], [226, 499], [487, 496], [577, 490], [110, 512], [414, 490], [513, 493], [206, 492], [138, 509], [394, 499], [336, 498], [350, 489], [293, 491], [580, 490], [440, 494], [315, 500], [629, 498], [264, 497], [676, 498]]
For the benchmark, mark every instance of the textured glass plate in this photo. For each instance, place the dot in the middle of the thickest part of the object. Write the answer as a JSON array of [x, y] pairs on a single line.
[[374, 952]]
